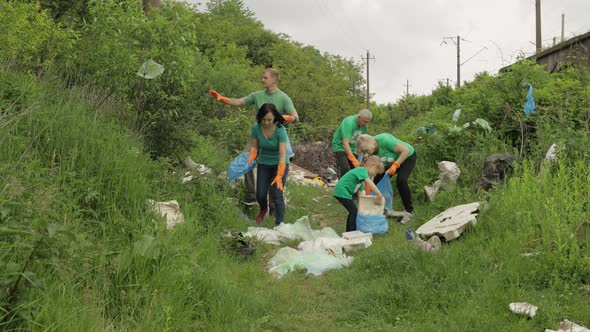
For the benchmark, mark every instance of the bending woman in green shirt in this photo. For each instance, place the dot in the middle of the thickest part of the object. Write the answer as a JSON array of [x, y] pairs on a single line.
[[398, 157], [269, 146]]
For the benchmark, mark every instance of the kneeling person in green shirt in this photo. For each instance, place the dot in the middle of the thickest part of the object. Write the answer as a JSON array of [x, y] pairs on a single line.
[[352, 182]]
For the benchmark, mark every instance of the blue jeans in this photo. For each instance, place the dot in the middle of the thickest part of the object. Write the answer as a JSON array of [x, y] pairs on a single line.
[[264, 176]]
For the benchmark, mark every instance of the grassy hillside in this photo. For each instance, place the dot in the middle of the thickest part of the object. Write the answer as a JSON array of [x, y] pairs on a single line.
[[80, 249]]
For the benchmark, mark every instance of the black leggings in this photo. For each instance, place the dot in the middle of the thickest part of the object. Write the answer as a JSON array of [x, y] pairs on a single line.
[[403, 173], [352, 212]]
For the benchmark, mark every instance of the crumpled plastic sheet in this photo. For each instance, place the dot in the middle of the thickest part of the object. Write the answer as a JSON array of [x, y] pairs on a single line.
[[315, 260], [300, 230], [320, 250]]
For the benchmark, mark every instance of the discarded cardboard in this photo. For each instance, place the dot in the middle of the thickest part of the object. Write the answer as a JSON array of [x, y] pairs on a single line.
[[451, 222]]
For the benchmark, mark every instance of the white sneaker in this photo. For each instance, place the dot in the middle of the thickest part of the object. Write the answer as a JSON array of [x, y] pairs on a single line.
[[407, 217]]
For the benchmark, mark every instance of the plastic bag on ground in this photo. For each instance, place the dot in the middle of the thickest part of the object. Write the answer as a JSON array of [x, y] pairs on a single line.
[[239, 166], [315, 261], [371, 224]]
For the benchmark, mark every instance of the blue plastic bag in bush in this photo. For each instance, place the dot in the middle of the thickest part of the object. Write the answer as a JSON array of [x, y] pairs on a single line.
[[239, 166], [371, 224], [386, 190]]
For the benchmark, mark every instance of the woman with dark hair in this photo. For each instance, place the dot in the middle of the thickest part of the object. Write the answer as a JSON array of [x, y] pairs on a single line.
[[269, 146]]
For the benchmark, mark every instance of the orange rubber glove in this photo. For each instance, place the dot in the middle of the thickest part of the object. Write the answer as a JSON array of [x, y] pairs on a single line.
[[353, 160], [253, 155], [219, 97], [288, 118], [279, 178], [393, 169]]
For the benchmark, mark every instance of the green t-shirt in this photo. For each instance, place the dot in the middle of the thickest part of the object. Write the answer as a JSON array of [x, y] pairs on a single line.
[[280, 99], [349, 129], [351, 182], [268, 148], [387, 143]]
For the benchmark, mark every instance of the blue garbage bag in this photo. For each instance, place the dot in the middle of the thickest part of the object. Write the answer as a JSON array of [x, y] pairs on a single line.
[[239, 166], [529, 106], [290, 153], [386, 190], [371, 223]]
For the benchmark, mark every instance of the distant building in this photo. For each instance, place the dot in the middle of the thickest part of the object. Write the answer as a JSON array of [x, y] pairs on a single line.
[[574, 51]]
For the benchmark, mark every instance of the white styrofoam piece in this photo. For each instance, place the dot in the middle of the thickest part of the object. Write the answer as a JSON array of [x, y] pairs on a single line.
[[451, 222]]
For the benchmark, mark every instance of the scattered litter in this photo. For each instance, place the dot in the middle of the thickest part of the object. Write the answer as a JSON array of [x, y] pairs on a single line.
[[483, 123], [496, 167], [529, 106], [433, 244], [523, 308], [451, 222], [300, 230], [449, 172], [551, 155], [169, 210], [186, 178], [456, 115], [150, 69], [315, 261], [320, 250], [567, 326], [236, 243]]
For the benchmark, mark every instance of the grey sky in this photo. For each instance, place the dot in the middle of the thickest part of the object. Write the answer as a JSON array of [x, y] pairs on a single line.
[[405, 36]]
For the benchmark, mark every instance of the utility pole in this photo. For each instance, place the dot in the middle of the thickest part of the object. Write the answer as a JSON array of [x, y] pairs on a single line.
[[538, 25], [562, 26], [407, 87], [368, 94], [458, 62], [447, 82]]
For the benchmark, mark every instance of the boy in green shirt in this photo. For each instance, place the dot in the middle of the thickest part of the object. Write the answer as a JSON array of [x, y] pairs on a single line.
[[352, 182]]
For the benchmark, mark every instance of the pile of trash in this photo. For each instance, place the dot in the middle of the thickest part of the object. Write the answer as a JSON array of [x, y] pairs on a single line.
[[320, 250]]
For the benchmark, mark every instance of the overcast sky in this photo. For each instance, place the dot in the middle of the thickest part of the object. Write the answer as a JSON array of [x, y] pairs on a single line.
[[408, 38]]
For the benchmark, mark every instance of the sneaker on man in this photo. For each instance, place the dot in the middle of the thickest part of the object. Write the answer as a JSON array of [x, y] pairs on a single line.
[[249, 202], [407, 217], [261, 215]]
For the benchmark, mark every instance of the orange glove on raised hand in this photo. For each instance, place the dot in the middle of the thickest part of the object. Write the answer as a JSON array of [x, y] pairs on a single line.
[[252, 156], [393, 169], [288, 118], [219, 97], [279, 178], [353, 160]]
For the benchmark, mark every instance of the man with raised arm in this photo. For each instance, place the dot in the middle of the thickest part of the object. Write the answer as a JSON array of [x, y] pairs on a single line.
[[273, 95]]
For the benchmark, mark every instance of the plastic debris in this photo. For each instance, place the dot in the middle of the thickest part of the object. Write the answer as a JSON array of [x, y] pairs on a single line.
[[451, 222], [483, 123], [456, 114], [150, 69], [529, 106], [567, 326], [433, 244], [449, 173], [523, 308], [551, 155], [170, 210]]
